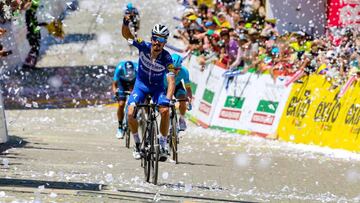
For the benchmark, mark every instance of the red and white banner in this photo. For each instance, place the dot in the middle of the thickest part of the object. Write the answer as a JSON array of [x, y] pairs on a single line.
[[342, 13]]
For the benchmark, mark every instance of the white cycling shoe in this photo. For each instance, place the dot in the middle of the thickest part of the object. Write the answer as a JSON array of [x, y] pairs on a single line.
[[119, 134], [136, 152], [182, 124]]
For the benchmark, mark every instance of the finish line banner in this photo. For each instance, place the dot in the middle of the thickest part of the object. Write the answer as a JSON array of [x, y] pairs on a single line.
[[315, 114]]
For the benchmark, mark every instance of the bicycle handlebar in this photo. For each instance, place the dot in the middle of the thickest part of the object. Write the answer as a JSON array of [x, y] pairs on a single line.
[[126, 92], [117, 96], [179, 100]]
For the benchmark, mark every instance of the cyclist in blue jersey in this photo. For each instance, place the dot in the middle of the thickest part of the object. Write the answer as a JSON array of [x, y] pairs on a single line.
[[124, 80], [181, 75], [155, 64]]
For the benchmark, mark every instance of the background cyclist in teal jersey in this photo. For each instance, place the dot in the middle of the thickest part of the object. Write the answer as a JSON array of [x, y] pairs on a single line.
[[124, 80], [181, 76]]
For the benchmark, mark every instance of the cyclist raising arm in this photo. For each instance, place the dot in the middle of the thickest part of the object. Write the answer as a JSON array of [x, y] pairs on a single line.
[[124, 80], [155, 64], [181, 74]]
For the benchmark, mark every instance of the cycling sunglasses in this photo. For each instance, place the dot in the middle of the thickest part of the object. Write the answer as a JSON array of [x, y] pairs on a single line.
[[157, 38]]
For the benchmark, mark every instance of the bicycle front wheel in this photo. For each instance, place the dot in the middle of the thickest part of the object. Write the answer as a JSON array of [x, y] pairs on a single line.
[[174, 140], [147, 165], [155, 164]]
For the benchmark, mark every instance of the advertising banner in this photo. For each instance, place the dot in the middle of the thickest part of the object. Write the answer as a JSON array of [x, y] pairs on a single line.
[[252, 104], [197, 82], [209, 96], [314, 114], [342, 13]]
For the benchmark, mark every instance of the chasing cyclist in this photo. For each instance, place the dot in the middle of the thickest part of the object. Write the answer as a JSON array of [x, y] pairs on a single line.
[[124, 80], [155, 64], [181, 74]]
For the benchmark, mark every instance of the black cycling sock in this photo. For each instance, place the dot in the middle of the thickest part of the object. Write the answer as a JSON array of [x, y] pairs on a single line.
[[120, 124]]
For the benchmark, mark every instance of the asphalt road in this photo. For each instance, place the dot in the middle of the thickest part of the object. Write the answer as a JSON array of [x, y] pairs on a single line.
[[74, 154]]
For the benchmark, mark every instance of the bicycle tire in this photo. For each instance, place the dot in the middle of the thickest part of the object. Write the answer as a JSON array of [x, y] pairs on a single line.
[[147, 166], [149, 160], [174, 141], [154, 154], [155, 166], [145, 157]]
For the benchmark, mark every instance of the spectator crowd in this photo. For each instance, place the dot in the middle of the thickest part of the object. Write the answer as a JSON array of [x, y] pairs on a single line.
[[8, 9], [12, 8], [237, 35]]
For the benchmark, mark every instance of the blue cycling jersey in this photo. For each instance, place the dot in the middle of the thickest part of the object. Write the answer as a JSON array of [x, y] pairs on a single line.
[[152, 73], [183, 74], [123, 73]]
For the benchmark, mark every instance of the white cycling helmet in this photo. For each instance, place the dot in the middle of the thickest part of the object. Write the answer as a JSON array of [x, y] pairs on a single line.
[[160, 30]]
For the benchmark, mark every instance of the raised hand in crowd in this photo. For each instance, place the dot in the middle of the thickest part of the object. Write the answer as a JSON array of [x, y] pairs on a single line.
[[2, 31]]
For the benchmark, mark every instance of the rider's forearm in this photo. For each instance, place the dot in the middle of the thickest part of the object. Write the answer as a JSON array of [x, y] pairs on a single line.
[[171, 87], [126, 31], [114, 87], [189, 92]]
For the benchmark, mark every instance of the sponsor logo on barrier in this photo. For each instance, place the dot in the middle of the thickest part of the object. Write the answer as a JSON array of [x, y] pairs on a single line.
[[234, 102], [230, 114], [355, 131], [327, 111], [353, 115], [263, 119], [299, 106], [193, 87], [205, 108], [267, 106], [208, 96], [231, 104]]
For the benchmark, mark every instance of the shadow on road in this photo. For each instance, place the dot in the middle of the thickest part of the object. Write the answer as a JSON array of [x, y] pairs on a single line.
[[4, 182], [196, 164], [18, 142], [14, 142]]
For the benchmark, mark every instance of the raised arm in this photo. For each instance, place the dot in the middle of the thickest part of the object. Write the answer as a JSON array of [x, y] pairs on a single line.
[[125, 30]]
